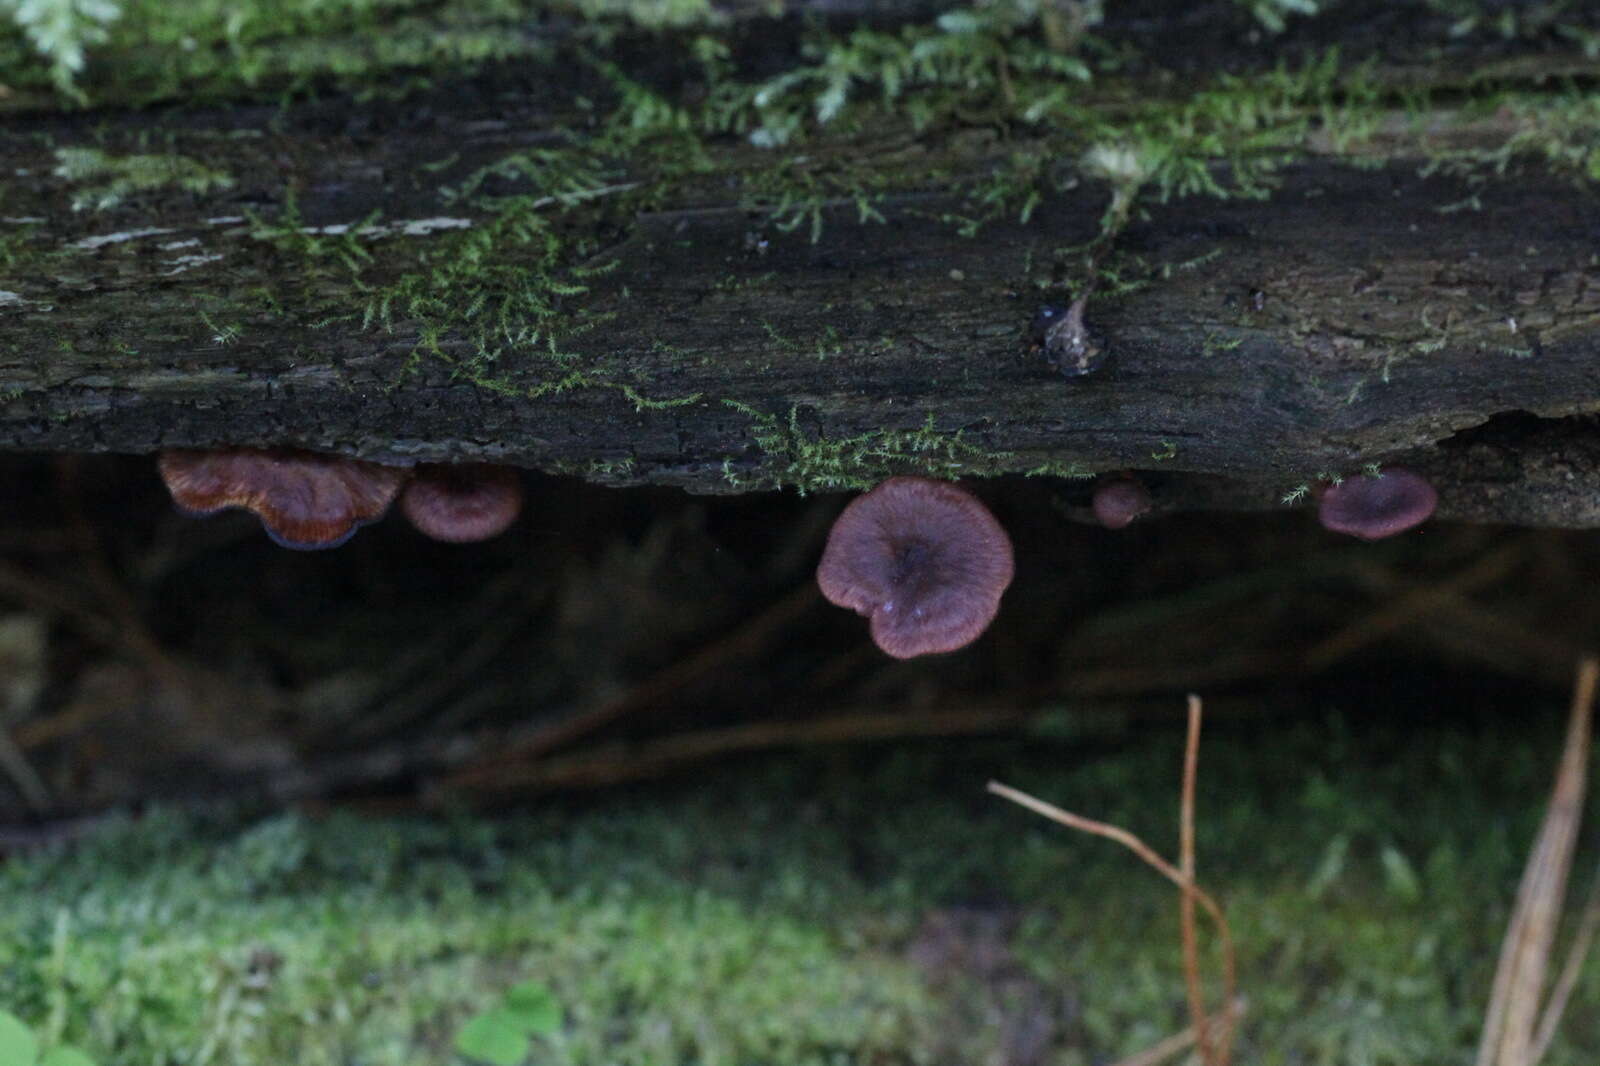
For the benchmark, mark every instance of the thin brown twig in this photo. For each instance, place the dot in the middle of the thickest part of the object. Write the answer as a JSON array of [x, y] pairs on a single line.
[[1571, 970], [1558, 838], [748, 636], [1150, 858], [628, 763], [52, 598], [1178, 1042], [1510, 1019], [1419, 602], [111, 621], [14, 764], [59, 600], [109, 589], [106, 614], [1191, 943], [453, 656], [1574, 772], [1482, 634], [1121, 836]]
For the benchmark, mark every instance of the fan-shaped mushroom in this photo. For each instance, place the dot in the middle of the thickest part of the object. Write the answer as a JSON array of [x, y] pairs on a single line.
[[923, 559], [1376, 507], [304, 499], [1118, 501], [461, 504]]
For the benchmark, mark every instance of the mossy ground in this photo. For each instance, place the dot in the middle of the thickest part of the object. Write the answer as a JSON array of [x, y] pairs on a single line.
[[825, 908]]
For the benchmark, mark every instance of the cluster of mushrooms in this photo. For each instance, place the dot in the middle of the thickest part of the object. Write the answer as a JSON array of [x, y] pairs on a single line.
[[309, 500], [927, 562], [923, 559]]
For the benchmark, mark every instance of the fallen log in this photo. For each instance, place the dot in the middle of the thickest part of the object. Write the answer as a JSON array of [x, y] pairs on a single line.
[[478, 271]]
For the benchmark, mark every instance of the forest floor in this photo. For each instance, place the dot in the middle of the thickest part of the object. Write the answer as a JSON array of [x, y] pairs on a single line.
[[867, 904]]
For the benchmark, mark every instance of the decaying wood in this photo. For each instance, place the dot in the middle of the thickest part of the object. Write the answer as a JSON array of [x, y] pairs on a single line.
[[1349, 319]]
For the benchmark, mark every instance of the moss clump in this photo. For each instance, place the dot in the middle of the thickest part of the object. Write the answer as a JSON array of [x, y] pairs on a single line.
[[110, 179], [1561, 131], [792, 457], [658, 14], [813, 463], [131, 52]]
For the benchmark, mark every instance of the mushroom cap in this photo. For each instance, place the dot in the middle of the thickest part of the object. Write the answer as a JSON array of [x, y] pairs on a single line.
[[305, 500], [924, 559], [1118, 501], [1376, 507], [465, 503]]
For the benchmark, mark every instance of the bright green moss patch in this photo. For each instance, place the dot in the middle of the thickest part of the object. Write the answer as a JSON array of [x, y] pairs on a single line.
[[133, 51], [809, 911], [812, 463], [103, 181], [1561, 130]]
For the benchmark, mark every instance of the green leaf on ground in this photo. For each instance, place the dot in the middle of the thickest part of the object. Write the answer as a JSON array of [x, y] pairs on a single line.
[[63, 1055], [496, 1036], [17, 1042], [534, 1007]]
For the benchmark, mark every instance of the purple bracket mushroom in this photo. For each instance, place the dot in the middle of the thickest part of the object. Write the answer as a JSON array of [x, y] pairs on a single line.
[[305, 500], [1118, 501], [924, 559], [462, 504], [1376, 507]]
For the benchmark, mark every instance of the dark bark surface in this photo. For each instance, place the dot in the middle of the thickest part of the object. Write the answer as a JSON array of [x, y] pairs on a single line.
[[1351, 318]]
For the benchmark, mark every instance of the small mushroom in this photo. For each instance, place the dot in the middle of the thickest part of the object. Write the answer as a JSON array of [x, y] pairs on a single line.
[[1376, 507], [923, 559], [304, 499], [1118, 501], [462, 504]]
